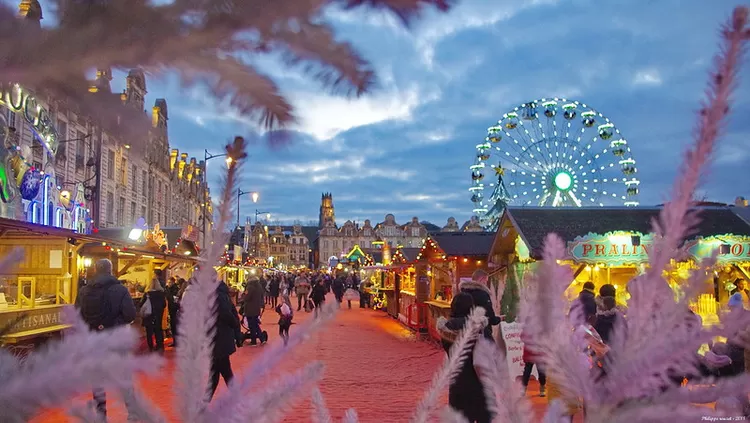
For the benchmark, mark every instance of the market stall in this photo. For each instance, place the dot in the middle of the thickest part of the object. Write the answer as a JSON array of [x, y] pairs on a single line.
[[611, 246], [34, 290], [135, 259], [446, 258]]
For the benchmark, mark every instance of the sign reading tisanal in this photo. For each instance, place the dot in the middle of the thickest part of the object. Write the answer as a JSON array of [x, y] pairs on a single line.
[[614, 248]]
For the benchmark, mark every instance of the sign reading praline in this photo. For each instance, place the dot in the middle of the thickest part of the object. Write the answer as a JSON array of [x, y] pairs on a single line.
[[614, 248]]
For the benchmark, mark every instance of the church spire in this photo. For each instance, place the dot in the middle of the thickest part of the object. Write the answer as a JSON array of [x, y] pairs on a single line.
[[31, 10]]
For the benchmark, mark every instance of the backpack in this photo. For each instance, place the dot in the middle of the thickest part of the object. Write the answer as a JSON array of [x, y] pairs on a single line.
[[96, 307]]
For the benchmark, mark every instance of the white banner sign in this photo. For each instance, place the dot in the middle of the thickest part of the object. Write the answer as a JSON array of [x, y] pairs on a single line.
[[514, 347]]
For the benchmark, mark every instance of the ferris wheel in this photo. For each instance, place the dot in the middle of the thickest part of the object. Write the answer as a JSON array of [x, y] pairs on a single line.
[[552, 153]]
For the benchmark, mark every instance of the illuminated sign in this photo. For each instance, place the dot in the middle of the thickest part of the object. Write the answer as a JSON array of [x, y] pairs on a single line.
[[17, 100], [31, 186], [614, 248], [731, 248]]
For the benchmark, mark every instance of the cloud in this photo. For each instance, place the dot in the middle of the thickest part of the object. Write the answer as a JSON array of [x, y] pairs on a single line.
[[650, 77], [325, 116], [406, 147]]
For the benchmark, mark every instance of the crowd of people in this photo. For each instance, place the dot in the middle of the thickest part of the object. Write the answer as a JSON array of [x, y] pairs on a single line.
[[104, 302]]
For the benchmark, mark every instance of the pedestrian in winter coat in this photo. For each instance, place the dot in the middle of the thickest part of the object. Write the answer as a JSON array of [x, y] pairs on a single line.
[[274, 287], [465, 393], [587, 292], [253, 308], [338, 287], [480, 293], [157, 298], [105, 303], [606, 318], [529, 360], [302, 288], [318, 296], [226, 338], [285, 317]]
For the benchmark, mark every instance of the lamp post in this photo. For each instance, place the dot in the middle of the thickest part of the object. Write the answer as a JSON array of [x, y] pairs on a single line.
[[206, 157], [268, 215], [240, 193]]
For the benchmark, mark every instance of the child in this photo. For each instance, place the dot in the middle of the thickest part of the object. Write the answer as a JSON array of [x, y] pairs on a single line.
[[465, 394], [285, 318]]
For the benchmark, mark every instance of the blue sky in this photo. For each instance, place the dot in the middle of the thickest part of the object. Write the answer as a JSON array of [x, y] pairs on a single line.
[[405, 148]]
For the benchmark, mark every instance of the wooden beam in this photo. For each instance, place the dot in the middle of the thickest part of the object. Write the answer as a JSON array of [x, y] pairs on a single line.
[[743, 271], [128, 266]]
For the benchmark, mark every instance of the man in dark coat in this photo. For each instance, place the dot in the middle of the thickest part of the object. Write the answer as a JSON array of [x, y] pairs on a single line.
[[254, 304], [480, 292], [338, 288], [226, 338], [105, 303]]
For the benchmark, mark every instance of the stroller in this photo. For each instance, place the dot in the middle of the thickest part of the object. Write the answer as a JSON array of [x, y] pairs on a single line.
[[262, 335]]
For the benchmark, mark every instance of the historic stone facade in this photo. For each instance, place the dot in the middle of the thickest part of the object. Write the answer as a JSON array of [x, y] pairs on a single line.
[[124, 174], [288, 245], [338, 241]]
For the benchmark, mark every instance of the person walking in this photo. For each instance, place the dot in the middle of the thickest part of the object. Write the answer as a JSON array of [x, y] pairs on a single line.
[[173, 306], [478, 288], [274, 287], [252, 309], [302, 288], [338, 289], [530, 359], [466, 392], [227, 337], [105, 303], [285, 317], [318, 296], [152, 315]]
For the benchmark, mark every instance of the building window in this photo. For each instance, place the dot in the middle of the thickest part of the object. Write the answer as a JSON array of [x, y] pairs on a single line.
[[143, 212], [124, 171], [134, 175], [110, 164], [110, 207], [132, 212], [121, 211], [414, 231], [144, 176]]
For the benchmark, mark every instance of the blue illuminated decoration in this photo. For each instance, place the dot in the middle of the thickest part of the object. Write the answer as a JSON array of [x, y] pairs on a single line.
[[26, 186], [59, 217]]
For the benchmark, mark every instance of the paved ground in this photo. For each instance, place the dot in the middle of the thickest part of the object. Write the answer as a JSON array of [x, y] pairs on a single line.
[[373, 364]]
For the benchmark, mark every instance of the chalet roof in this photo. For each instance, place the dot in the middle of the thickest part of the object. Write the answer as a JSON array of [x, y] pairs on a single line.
[[410, 253], [743, 212], [535, 223], [472, 244]]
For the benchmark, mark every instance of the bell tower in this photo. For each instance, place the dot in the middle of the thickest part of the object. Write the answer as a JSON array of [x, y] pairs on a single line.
[[326, 210], [31, 10]]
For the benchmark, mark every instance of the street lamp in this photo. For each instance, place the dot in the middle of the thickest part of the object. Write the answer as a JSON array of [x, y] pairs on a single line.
[[240, 193], [206, 157], [268, 215]]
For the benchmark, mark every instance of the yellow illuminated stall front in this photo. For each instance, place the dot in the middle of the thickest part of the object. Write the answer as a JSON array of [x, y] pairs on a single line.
[[35, 288], [445, 259], [134, 262], [611, 246]]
